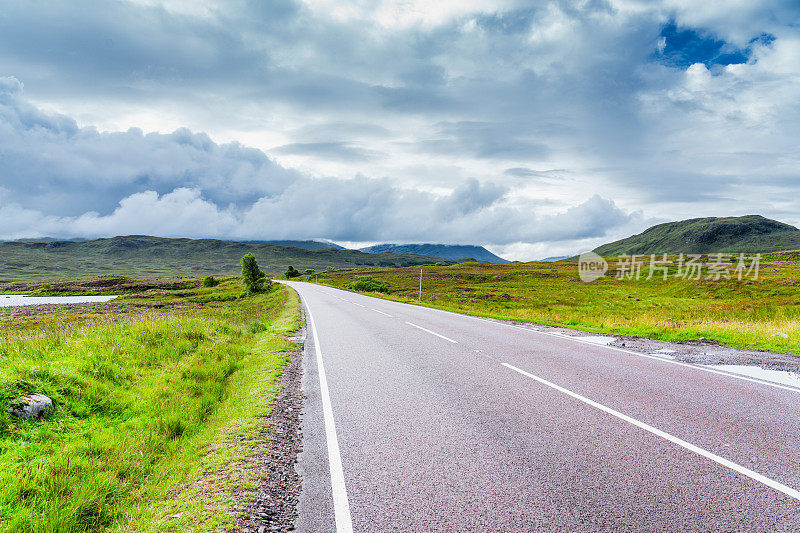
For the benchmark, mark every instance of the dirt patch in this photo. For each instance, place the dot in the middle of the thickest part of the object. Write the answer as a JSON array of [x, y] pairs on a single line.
[[275, 504]]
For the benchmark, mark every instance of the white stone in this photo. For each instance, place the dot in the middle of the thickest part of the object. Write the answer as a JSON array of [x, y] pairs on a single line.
[[32, 406]]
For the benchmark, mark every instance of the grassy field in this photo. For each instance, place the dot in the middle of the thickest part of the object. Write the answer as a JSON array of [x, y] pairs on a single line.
[[744, 314], [158, 397]]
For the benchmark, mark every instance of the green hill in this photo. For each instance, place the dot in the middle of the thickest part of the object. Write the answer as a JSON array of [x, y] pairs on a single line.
[[751, 233], [153, 257], [455, 252]]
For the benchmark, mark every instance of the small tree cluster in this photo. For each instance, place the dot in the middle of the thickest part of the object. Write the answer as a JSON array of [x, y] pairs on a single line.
[[254, 278], [210, 281], [291, 272]]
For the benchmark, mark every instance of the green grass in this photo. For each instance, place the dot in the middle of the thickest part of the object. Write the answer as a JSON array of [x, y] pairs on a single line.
[[158, 399], [742, 314]]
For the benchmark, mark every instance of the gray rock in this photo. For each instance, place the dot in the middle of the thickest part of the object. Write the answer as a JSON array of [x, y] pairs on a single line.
[[32, 406], [781, 335]]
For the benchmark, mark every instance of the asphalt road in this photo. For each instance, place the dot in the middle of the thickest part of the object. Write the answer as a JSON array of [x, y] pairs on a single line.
[[422, 420]]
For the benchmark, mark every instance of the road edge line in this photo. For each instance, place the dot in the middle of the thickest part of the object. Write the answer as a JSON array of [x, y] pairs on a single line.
[[499, 321], [341, 505], [704, 368]]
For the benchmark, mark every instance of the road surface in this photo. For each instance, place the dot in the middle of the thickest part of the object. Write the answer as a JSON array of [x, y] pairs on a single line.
[[421, 420]]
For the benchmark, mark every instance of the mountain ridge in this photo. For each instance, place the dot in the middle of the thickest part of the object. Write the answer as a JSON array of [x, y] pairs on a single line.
[[147, 256], [306, 245], [454, 252]]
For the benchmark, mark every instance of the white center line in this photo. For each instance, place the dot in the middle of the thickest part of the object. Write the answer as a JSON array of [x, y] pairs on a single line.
[[789, 491], [432, 333], [341, 505], [381, 312], [358, 304], [614, 348]]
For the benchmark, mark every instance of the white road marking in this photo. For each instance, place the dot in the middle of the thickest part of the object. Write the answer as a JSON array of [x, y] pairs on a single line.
[[381, 312], [432, 333], [789, 491], [341, 505], [358, 304], [622, 350], [657, 358]]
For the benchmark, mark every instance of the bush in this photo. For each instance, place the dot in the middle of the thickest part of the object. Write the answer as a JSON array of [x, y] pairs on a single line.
[[253, 277], [210, 281], [368, 284], [291, 272]]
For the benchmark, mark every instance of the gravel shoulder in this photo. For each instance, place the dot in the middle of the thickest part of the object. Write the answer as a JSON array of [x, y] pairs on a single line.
[[698, 351], [274, 507]]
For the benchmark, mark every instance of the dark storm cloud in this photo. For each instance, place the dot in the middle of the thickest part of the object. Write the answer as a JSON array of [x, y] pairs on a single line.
[[330, 150], [183, 183], [51, 163]]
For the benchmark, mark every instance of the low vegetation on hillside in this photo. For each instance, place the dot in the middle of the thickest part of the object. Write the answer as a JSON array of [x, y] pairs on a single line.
[[154, 257], [157, 397], [746, 314]]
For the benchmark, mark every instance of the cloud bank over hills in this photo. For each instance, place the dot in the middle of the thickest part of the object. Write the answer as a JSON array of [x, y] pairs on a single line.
[[535, 129], [86, 183]]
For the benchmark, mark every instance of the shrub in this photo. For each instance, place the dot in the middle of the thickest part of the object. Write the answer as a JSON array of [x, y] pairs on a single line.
[[291, 272], [368, 284], [210, 281]]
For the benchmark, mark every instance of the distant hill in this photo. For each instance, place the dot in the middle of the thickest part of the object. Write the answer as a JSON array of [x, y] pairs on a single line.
[[448, 251], [306, 245], [555, 258], [751, 233], [46, 239], [144, 256]]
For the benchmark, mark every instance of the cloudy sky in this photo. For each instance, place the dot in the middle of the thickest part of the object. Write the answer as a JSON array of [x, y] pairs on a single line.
[[535, 128]]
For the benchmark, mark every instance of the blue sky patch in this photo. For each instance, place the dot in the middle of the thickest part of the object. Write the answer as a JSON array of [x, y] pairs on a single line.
[[682, 47]]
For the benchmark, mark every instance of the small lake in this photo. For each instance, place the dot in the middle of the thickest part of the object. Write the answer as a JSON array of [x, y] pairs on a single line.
[[14, 300]]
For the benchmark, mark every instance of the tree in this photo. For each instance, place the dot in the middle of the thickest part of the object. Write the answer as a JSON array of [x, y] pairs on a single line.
[[210, 281], [291, 272], [308, 271], [253, 277]]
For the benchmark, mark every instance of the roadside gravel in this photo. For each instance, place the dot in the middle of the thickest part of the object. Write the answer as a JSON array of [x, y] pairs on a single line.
[[275, 504], [698, 351]]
